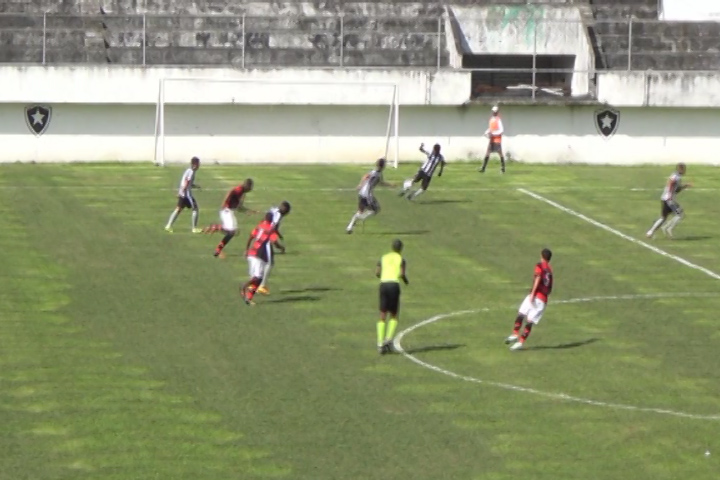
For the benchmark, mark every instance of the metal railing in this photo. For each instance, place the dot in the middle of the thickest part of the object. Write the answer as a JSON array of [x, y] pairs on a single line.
[[343, 41]]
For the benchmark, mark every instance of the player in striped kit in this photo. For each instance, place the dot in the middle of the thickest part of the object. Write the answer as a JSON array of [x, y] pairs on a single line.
[[367, 203], [425, 173], [185, 197], [673, 186], [276, 215]]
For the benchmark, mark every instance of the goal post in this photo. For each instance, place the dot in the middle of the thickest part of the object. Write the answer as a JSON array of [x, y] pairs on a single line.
[[263, 120]]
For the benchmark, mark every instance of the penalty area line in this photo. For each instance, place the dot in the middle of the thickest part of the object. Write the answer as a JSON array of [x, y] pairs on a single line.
[[397, 343], [618, 233]]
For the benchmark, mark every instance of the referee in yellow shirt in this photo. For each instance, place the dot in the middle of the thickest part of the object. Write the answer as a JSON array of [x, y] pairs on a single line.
[[390, 270]]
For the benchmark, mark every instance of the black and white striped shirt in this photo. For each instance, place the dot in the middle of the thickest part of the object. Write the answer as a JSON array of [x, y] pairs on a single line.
[[433, 160], [368, 185], [276, 217]]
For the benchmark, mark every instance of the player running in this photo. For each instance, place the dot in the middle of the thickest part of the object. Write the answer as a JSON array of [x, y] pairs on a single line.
[[390, 270], [668, 204], [532, 308], [228, 223], [367, 203], [185, 197], [425, 172], [258, 248], [277, 213], [494, 133]]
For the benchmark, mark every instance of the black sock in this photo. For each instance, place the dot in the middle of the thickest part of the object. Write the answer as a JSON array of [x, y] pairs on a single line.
[[502, 163], [225, 240], [485, 162]]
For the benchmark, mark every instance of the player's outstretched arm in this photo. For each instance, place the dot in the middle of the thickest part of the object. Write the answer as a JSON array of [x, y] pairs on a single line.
[[422, 148]]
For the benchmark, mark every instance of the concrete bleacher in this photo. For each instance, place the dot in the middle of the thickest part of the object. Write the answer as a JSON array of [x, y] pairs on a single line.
[[650, 44], [247, 33]]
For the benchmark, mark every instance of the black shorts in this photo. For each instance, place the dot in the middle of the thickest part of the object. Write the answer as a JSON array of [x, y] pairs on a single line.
[[423, 177], [368, 203], [187, 201], [390, 297], [670, 206], [494, 147]]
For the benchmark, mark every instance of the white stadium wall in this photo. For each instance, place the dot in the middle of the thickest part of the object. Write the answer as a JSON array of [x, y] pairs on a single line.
[[114, 120], [527, 30], [690, 10]]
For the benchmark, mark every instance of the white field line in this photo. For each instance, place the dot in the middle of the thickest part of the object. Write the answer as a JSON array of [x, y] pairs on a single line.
[[607, 228], [553, 395]]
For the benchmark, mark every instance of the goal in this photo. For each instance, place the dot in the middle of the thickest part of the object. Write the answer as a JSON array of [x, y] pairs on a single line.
[[264, 120]]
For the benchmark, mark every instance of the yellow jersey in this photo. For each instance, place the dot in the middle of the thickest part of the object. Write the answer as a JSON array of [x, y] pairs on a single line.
[[391, 267]]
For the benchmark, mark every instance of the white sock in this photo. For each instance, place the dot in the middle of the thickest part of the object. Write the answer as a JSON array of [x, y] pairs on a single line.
[[656, 225], [417, 192], [173, 217], [407, 185], [266, 272], [673, 222], [195, 218], [354, 219]]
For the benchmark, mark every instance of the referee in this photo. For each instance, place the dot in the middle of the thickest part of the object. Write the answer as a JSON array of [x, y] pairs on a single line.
[[390, 270]]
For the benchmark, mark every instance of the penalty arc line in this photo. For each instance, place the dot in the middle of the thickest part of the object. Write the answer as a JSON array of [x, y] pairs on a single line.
[[397, 343], [608, 228]]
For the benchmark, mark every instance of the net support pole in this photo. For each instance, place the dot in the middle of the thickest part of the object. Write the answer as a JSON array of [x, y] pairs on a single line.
[[396, 110], [161, 130], [389, 130], [156, 157]]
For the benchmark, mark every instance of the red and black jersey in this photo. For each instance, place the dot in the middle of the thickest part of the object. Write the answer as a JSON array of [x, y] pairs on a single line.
[[262, 237], [235, 197], [544, 271]]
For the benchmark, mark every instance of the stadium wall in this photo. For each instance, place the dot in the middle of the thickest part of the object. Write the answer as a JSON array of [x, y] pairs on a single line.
[[109, 115]]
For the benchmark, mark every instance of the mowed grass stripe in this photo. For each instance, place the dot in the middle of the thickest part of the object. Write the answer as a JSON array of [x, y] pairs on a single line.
[[96, 410]]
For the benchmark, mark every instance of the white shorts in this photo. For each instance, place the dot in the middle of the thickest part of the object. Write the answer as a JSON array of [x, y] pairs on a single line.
[[256, 267], [228, 220], [533, 310]]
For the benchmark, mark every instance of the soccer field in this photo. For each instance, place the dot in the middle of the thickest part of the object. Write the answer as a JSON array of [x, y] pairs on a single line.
[[127, 353]]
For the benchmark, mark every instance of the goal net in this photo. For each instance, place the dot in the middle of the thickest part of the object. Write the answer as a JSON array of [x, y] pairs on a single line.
[[276, 121]]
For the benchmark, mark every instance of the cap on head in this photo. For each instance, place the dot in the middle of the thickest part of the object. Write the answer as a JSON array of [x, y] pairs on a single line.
[[248, 184], [380, 163], [495, 109], [397, 245], [285, 207], [546, 254]]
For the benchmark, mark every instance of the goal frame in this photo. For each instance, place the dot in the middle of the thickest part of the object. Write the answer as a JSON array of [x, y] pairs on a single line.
[[393, 123]]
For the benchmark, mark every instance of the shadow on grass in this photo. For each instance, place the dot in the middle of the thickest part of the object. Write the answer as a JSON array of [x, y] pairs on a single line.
[[563, 346], [310, 289], [294, 299], [434, 348], [442, 202], [693, 238], [405, 232]]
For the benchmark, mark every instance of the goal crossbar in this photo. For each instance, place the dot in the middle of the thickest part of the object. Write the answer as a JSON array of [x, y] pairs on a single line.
[[393, 123]]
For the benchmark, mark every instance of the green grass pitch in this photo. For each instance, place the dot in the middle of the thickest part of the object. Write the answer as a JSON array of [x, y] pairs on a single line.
[[126, 353]]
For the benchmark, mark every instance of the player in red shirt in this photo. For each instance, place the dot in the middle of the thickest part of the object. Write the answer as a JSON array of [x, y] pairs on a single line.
[[532, 308], [233, 201], [258, 252]]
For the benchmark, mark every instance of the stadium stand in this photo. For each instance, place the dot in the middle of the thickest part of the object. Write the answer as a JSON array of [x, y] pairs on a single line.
[[265, 33], [645, 43], [255, 33]]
